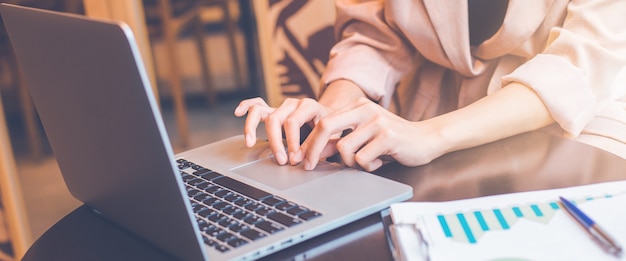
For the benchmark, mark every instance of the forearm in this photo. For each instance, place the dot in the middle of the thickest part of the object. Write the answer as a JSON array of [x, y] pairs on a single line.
[[512, 110]]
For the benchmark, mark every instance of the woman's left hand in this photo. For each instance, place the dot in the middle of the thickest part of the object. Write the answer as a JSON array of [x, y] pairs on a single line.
[[375, 132]]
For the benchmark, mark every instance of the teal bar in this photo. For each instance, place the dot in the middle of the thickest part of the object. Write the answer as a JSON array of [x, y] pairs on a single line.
[[536, 210], [444, 225], [466, 228], [501, 219], [481, 221], [518, 212], [554, 205]]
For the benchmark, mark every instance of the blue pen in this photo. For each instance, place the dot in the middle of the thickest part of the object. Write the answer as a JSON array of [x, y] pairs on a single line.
[[600, 235]]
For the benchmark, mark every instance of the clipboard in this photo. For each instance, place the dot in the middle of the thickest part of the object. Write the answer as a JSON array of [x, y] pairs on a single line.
[[406, 240], [516, 226]]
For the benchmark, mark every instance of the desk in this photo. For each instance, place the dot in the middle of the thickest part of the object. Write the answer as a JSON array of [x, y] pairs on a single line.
[[530, 161]]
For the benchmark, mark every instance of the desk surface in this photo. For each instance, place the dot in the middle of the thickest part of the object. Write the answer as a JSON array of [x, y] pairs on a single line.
[[530, 161]]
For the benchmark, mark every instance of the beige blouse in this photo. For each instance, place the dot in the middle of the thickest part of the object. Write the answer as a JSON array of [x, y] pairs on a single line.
[[572, 53]]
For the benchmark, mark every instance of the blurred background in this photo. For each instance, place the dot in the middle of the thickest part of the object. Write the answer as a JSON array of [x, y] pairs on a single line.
[[202, 57]]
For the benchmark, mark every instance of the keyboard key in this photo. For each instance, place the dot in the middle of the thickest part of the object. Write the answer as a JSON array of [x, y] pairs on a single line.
[[214, 231], [220, 205], [202, 196], [283, 219], [209, 201], [195, 181], [223, 193], [186, 177], [227, 218], [238, 227], [225, 237], [221, 248], [309, 215], [243, 202], [212, 189], [197, 208], [272, 201], [207, 174], [252, 220], [204, 185], [242, 215], [252, 234], [227, 222], [242, 188], [216, 218], [184, 164], [262, 211], [193, 192], [204, 226], [285, 205], [233, 197], [207, 212], [296, 210], [237, 242], [230, 210], [253, 206], [268, 227], [209, 241]]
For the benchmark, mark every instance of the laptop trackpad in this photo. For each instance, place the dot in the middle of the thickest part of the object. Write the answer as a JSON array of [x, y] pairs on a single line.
[[268, 172]]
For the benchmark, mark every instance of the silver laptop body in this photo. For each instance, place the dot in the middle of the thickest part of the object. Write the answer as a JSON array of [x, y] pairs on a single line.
[[95, 102]]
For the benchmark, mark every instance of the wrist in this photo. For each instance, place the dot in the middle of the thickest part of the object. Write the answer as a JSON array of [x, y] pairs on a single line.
[[339, 93], [440, 135]]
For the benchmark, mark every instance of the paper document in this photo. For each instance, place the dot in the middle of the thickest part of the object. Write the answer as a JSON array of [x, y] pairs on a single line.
[[518, 226]]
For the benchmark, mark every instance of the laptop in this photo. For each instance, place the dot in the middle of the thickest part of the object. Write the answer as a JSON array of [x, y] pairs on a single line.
[[221, 201]]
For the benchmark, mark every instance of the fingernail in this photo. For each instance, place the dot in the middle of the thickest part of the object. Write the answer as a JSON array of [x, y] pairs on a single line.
[[308, 165], [249, 140], [298, 156], [375, 164], [292, 158], [281, 158], [295, 157]]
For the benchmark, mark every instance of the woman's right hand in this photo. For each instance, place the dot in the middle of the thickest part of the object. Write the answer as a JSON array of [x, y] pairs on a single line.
[[290, 116]]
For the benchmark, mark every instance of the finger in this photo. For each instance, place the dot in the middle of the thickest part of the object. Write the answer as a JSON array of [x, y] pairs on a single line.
[[346, 118], [349, 145], [256, 114], [368, 157], [274, 128], [322, 133], [291, 127], [307, 110], [245, 105]]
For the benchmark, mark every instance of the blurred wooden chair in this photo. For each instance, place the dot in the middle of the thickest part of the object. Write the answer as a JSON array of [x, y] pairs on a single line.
[[13, 208], [170, 21], [295, 38]]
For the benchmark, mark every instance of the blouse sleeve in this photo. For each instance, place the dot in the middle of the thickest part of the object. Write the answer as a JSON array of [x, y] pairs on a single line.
[[576, 71], [370, 51]]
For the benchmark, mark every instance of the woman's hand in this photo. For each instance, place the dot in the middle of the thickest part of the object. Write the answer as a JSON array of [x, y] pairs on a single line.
[[289, 116], [375, 132]]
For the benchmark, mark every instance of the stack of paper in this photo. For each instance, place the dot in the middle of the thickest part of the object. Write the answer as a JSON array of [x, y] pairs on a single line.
[[518, 226]]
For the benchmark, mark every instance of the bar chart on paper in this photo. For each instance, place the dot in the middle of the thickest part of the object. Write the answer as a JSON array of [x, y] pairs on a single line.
[[469, 226], [518, 226]]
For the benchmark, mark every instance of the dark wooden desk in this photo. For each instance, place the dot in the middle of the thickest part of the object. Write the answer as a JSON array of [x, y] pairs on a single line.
[[530, 161]]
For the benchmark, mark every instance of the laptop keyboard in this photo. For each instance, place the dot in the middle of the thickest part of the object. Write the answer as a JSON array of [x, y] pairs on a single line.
[[231, 213]]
